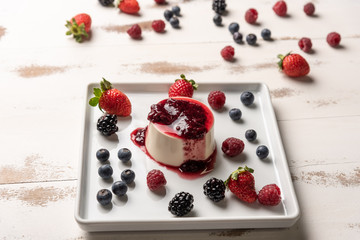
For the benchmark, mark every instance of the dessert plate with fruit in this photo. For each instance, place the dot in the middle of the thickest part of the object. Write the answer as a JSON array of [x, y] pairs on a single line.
[[172, 156]]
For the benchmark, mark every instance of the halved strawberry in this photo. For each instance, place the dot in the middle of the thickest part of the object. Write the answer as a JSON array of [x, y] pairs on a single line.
[[293, 65], [112, 100], [79, 26], [182, 87]]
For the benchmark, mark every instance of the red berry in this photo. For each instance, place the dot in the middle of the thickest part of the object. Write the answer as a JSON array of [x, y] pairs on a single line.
[[160, 1], [251, 15], [270, 195], [158, 25], [280, 8], [129, 6], [309, 9], [216, 99], [232, 146], [155, 179], [305, 44], [134, 31], [182, 87], [293, 65], [333, 39], [228, 53], [79, 26]]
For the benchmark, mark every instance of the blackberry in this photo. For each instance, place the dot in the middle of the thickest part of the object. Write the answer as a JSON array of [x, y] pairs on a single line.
[[107, 124], [181, 204], [106, 2], [219, 6], [214, 189]]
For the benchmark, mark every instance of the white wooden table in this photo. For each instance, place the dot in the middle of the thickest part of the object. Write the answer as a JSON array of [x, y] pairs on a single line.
[[44, 73]]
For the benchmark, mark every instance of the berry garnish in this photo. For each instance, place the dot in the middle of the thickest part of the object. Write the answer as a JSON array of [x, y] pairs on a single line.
[[181, 204], [129, 6], [262, 151], [293, 65], [217, 19], [174, 21], [228, 53], [104, 197], [119, 188], [102, 155], [158, 25], [127, 176], [124, 155], [106, 124], [333, 39], [182, 87], [232, 146], [105, 171], [235, 114], [309, 9], [250, 135], [176, 10], [214, 189], [79, 26], [270, 195], [168, 14], [155, 179], [106, 2], [280, 8], [247, 98], [251, 15], [237, 37], [305, 44], [234, 27], [160, 1], [219, 6], [251, 39], [266, 34], [216, 99], [134, 31]]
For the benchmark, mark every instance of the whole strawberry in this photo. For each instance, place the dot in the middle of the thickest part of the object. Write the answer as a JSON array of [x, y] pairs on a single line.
[[293, 65], [182, 87], [79, 26], [241, 182], [112, 100], [129, 6]]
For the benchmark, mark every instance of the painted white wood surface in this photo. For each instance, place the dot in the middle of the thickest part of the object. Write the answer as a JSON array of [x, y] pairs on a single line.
[[44, 73]]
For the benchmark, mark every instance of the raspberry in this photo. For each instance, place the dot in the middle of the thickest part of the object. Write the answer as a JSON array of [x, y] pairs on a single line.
[[158, 25], [269, 195], [160, 1], [155, 179], [333, 39], [280, 8], [134, 31], [251, 15], [228, 53], [309, 9], [305, 44], [232, 146], [216, 99]]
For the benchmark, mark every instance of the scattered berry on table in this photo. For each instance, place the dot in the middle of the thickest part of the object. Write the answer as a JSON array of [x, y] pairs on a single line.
[[232, 146], [119, 188], [309, 9], [160, 1], [228, 53], [79, 26], [247, 98], [158, 25], [174, 21], [219, 6], [266, 34], [106, 124], [235, 114], [293, 65], [250, 135], [176, 10], [234, 27], [182, 87], [280, 8], [129, 6], [134, 31], [305, 44], [251, 39], [214, 189], [262, 151], [216, 99], [155, 179], [181, 204], [241, 182], [333, 39], [217, 19], [251, 16], [104, 197], [102, 155], [127, 176], [168, 14], [124, 154], [269, 195], [105, 171], [106, 2], [238, 37]]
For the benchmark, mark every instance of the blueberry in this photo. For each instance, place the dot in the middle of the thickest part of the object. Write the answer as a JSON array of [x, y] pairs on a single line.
[[168, 14], [234, 27], [262, 151], [217, 19], [176, 10], [104, 196], [251, 39], [237, 37], [127, 176], [174, 21], [124, 154], [105, 171], [102, 155], [266, 34], [247, 98], [250, 135], [119, 188], [235, 114]]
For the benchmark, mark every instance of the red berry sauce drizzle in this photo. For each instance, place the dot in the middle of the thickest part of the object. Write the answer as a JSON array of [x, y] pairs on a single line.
[[185, 120]]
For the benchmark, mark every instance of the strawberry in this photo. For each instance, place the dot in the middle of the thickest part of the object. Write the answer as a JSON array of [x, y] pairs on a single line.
[[182, 87], [112, 100], [129, 6], [293, 65], [241, 182], [79, 26]]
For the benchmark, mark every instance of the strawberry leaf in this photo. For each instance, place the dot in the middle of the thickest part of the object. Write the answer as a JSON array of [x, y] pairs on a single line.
[[94, 101], [97, 92]]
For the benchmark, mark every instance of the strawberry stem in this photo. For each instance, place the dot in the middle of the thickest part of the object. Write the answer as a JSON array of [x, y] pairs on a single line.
[[78, 31], [234, 175], [191, 81]]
